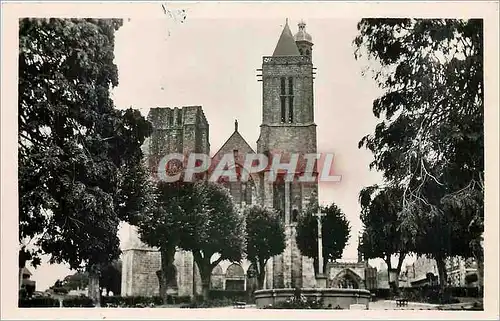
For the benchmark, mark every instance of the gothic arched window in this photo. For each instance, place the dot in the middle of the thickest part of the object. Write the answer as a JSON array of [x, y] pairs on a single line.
[[295, 215]]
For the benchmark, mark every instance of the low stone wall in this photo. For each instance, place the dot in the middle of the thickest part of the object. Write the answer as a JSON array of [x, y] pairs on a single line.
[[332, 297]]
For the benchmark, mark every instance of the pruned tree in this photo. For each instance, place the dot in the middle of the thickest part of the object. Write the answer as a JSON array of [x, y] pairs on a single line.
[[163, 225], [214, 229], [73, 144], [382, 237], [265, 238], [430, 140], [335, 233]]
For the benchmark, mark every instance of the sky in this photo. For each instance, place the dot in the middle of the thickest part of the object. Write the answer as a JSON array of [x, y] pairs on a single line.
[[212, 62]]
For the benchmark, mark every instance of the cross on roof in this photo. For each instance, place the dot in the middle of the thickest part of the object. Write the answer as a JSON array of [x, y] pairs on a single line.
[[319, 214]]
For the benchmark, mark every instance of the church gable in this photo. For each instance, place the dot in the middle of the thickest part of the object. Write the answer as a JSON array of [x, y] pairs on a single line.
[[243, 192], [235, 145]]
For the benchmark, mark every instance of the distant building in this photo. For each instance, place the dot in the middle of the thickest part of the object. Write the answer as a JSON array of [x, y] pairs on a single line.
[[79, 292], [25, 282], [458, 269], [424, 271]]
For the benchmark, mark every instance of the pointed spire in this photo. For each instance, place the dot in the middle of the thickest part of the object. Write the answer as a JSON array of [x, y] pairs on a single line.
[[286, 44]]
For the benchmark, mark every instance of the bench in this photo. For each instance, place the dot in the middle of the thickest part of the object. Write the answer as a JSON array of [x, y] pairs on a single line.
[[401, 302], [239, 305]]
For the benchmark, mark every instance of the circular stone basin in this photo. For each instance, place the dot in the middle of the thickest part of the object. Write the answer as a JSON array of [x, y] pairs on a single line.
[[333, 298]]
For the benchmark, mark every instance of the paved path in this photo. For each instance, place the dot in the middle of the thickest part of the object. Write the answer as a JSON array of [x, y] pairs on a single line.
[[391, 305], [377, 305]]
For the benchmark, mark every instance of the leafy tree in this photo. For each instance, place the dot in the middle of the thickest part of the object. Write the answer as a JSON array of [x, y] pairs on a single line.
[[74, 147], [335, 231], [162, 226], [430, 140], [78, 280], [214, 228], [382, 238], [265, 238]]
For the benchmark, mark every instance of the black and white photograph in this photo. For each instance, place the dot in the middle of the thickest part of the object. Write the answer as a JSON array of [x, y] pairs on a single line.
[[250, 159]]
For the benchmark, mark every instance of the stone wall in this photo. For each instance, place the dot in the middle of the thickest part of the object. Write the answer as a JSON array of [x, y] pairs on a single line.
[[139, 272], [337, 271]]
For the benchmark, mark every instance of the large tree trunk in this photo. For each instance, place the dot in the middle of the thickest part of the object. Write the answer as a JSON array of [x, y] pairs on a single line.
[[205, 281], [206, 289], [398, 272], [261, 273], [205, 268], [167, 260], [260, 279], [94, 291], [480, 274], [387, 261], [443, 276], [479, 257]]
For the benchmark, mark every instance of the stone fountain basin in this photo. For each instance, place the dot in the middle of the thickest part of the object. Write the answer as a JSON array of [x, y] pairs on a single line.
[[332, 297]]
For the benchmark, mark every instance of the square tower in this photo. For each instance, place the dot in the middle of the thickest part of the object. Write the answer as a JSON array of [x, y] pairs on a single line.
[[288, 127], [175, 130]]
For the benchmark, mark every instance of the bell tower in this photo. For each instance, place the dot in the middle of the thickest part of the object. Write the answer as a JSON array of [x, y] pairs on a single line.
[[288, 128], [304, 40]]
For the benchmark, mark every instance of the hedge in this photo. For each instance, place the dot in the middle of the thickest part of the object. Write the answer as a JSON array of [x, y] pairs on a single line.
[[235, 295], [213, 303], [40, 302], [78, 302], [130, 301]]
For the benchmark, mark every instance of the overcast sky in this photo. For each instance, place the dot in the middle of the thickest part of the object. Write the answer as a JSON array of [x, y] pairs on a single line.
[[213, 62]]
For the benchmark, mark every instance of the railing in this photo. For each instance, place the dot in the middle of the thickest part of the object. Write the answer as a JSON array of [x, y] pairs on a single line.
[[285, 60]]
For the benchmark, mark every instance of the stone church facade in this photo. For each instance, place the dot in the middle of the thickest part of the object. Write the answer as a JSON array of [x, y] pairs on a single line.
[[287, 127]]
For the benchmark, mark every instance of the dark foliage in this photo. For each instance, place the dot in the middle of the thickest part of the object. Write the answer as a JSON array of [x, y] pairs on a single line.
[[265, 238], [335, 233], [79, 157], [40, 302], [298, 304], [130, 301], [78, 302], [430, 139]]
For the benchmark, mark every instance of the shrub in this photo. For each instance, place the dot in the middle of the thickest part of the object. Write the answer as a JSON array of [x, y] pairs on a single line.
[[213, 303], [297, 304], [41, 302], [471, 278], [130, 301], [23, 293], [79, 301], [235, 295], [60, 290], [182, 299], [382, 293]]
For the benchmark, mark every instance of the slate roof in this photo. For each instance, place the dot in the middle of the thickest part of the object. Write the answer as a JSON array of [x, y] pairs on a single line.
[[286, 44]]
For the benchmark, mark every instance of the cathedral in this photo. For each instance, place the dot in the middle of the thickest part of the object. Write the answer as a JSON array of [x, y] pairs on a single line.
[[288, 125]]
